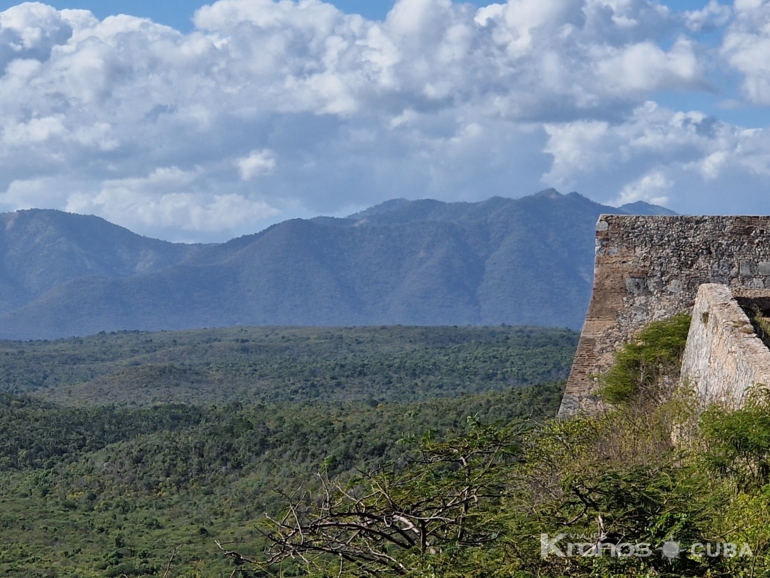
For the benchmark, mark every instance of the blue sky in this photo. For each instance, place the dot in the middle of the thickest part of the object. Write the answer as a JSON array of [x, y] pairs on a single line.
[[256, 111], [178, 13]]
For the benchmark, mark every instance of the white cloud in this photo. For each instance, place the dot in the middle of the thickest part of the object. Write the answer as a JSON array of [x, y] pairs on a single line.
[[258, 163], [31, 30], [273, 109], [683, 160], [644, 67], [746, 46], [32, 193], [35, 130], [648, 188], [187, 212], [710, 17], [160, 200]]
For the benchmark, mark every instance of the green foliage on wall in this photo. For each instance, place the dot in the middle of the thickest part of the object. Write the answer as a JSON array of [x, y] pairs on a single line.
[[641, 363]]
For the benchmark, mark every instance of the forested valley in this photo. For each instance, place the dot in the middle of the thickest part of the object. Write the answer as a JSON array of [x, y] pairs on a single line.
[[371, 452], [160, 454]]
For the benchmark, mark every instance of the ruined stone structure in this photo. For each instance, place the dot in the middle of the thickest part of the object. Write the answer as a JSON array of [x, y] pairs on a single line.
[[650, 268], [724, 358]]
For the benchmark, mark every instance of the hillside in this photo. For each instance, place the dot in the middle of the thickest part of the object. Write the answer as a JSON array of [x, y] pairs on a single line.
[[654, 486], [521, 261], [43, 249]]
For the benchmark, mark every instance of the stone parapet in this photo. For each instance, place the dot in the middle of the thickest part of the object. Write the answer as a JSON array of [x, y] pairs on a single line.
[[650, 268], [723, 358]]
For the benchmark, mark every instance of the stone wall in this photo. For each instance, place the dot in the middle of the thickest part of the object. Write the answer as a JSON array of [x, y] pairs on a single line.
[[723, 358], [650, 268]]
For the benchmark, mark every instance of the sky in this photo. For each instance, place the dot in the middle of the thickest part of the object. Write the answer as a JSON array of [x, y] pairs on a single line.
[[193, 122]]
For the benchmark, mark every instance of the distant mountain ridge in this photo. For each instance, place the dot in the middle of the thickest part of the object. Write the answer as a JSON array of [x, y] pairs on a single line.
[[403, 210], [526, 261], [42, 249]]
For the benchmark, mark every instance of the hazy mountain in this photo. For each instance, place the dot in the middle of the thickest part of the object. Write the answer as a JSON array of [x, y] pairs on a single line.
[[642, 208], [515, 261], [41, 249]]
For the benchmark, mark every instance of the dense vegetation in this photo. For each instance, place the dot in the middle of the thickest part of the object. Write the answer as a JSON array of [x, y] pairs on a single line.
[[116, 475], [107, 491], [646, 365], [265, 365], [476, 485]]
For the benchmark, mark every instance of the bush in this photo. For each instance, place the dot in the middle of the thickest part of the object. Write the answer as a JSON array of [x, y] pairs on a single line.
[[738, 442], [639, 366]]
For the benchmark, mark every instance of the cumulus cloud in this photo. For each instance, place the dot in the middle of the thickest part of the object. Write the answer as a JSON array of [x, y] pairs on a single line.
[[678, 159], [746, 46], [709, 18], [273, 109], [648, 188], [161, 200], [645, 67], [257, 163]]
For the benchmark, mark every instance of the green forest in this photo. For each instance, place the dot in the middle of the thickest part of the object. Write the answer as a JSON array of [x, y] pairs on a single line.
[[409, 474], [160, 454], [267, 365]]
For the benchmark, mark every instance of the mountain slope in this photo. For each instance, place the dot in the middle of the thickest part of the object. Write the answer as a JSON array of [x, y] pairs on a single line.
[[42, 249], [642, 208], [514, 261]]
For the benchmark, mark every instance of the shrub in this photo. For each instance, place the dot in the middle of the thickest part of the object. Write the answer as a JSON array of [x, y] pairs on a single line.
[[639, 366], [738, 442]]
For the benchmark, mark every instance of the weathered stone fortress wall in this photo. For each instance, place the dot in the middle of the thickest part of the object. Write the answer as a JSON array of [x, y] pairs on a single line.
[[724, 358], [650, 268]]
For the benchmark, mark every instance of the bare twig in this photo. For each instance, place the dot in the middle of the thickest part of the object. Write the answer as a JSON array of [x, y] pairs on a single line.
[[427, 506], [238, 559], [170, 560]]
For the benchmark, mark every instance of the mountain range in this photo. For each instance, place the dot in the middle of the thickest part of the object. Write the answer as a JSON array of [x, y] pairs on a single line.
[[526, 261]]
